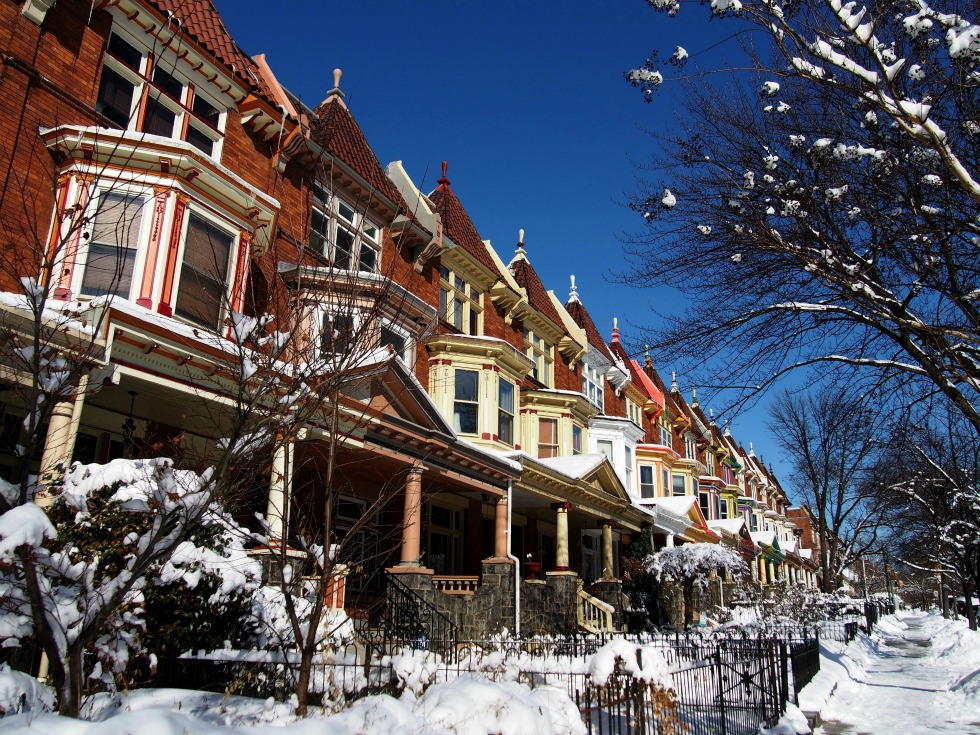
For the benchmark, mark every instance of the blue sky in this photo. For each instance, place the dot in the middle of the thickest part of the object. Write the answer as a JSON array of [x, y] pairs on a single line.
[[528, 104]]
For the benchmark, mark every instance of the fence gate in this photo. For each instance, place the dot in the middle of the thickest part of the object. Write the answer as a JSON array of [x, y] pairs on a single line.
[[731, 687]]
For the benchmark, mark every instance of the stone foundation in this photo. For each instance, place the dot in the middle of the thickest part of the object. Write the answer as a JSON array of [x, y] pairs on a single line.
[[549, 606]]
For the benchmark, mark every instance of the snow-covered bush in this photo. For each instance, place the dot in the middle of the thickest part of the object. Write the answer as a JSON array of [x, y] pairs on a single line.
[[693, 565]]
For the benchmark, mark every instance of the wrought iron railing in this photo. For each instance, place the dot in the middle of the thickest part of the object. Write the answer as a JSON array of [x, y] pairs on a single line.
[[411, 620]]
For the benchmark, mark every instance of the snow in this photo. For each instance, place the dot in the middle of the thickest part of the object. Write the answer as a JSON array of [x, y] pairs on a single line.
[[24, 525], [916, 674]]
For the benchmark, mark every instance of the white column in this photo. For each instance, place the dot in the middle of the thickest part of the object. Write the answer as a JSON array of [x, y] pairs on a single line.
[[561, 542], [670, 541], [280, 489]]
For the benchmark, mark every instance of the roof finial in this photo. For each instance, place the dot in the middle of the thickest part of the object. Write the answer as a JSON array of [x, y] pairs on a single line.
[[728, 431], [444, 182], [335, 92], [647, 362], [573, 292], [520, 242], [673, 382], [694, 397], [751, 450], [711, 414], [615, 337]]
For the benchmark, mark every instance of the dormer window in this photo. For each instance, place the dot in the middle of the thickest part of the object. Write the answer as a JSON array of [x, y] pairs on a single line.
[[690, 447], [142, 93], [459, 302], [342, 235], [542, 354], [663, 430], [592, 385]]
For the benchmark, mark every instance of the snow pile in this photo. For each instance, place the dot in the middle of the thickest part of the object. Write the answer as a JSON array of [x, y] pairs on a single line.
[[793, 722], [22, 693], [642, 662]]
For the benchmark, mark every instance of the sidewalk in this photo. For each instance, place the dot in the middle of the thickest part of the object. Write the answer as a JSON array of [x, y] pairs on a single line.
[[917, 674]]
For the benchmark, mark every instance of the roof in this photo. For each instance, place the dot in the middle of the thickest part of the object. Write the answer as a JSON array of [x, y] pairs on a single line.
[[577, 466], [338, 133], [202, 22], [457, 224], [537, 295], [581, 316]]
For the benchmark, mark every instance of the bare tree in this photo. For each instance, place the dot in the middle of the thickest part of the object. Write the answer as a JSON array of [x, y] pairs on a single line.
[[832, 440], [692, 565], [824, 203]]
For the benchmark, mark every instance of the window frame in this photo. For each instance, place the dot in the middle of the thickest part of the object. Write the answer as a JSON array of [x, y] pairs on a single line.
[[460, 302], [674, 485], [150, 94], [542, 354], [330, 208], [227, 228], [552, 448], [474, 402], [505, 417], [594, 386], [406, 355], [647, 469], [88, 236], [665, 435], [578, 439]]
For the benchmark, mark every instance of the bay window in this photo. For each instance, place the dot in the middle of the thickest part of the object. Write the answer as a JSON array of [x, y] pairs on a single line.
[[592, 382], [646, 481]]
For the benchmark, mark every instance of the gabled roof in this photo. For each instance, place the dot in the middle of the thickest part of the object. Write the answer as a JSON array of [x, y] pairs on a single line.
[[336, 131], [456, 222]]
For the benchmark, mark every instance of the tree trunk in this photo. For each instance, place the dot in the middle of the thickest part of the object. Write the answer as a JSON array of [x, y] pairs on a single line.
[[688, 603], [70, 691], [303, 681], [971, 613]]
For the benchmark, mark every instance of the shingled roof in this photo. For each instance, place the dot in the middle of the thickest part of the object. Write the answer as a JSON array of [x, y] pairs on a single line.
[[537, 295], [202, 22], [581, 316], [337, 132], [457, 224]]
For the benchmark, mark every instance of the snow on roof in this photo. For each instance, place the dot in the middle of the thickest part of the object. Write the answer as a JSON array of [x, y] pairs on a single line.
[[679, 506], [731, 525], [763, 537], [576, 466], [499, 456]]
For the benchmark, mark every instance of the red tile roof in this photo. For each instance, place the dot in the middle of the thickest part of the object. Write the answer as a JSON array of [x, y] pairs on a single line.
[[457, 224], [537, 296], [581, 316], [338, 133], [201, 21]]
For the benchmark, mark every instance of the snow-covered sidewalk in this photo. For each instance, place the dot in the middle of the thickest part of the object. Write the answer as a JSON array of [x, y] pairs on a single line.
[[917, 674]]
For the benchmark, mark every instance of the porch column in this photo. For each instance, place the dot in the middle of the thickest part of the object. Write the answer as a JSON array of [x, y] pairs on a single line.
[[762, 570], [561, 542], [500, 545], [412, 518], [280, 488], [607, 549], [772, 572], [670, 541], [59, 442]]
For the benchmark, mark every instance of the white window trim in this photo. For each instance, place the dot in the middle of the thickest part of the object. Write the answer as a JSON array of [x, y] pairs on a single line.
[[167, 60], [593, 386], [542, 353], [470, 299], [407, 355], [86, 235], [330, 209]]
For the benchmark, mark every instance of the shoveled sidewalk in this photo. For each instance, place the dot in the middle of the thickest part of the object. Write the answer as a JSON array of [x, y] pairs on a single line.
[[917, 674]]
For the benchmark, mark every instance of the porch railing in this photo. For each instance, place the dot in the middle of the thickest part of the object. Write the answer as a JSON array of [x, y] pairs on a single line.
[[594, 615], [409, 619], [455, 584]]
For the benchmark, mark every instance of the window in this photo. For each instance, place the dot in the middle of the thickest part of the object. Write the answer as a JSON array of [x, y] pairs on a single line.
[[203, 272], [604, 446], [171, 107], [629, 468], [690, 448], [541, 353], [113, 241], [665, 435], [459, 302], [505, 411], [341, 235], [704, 500], [337, 335], [547, 438], [646, 481], [665, 482], [723, 509], [710, 459], [634, 413], [592, 382], [577, 442], [678, 485], [399, 342], [466, 403]]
